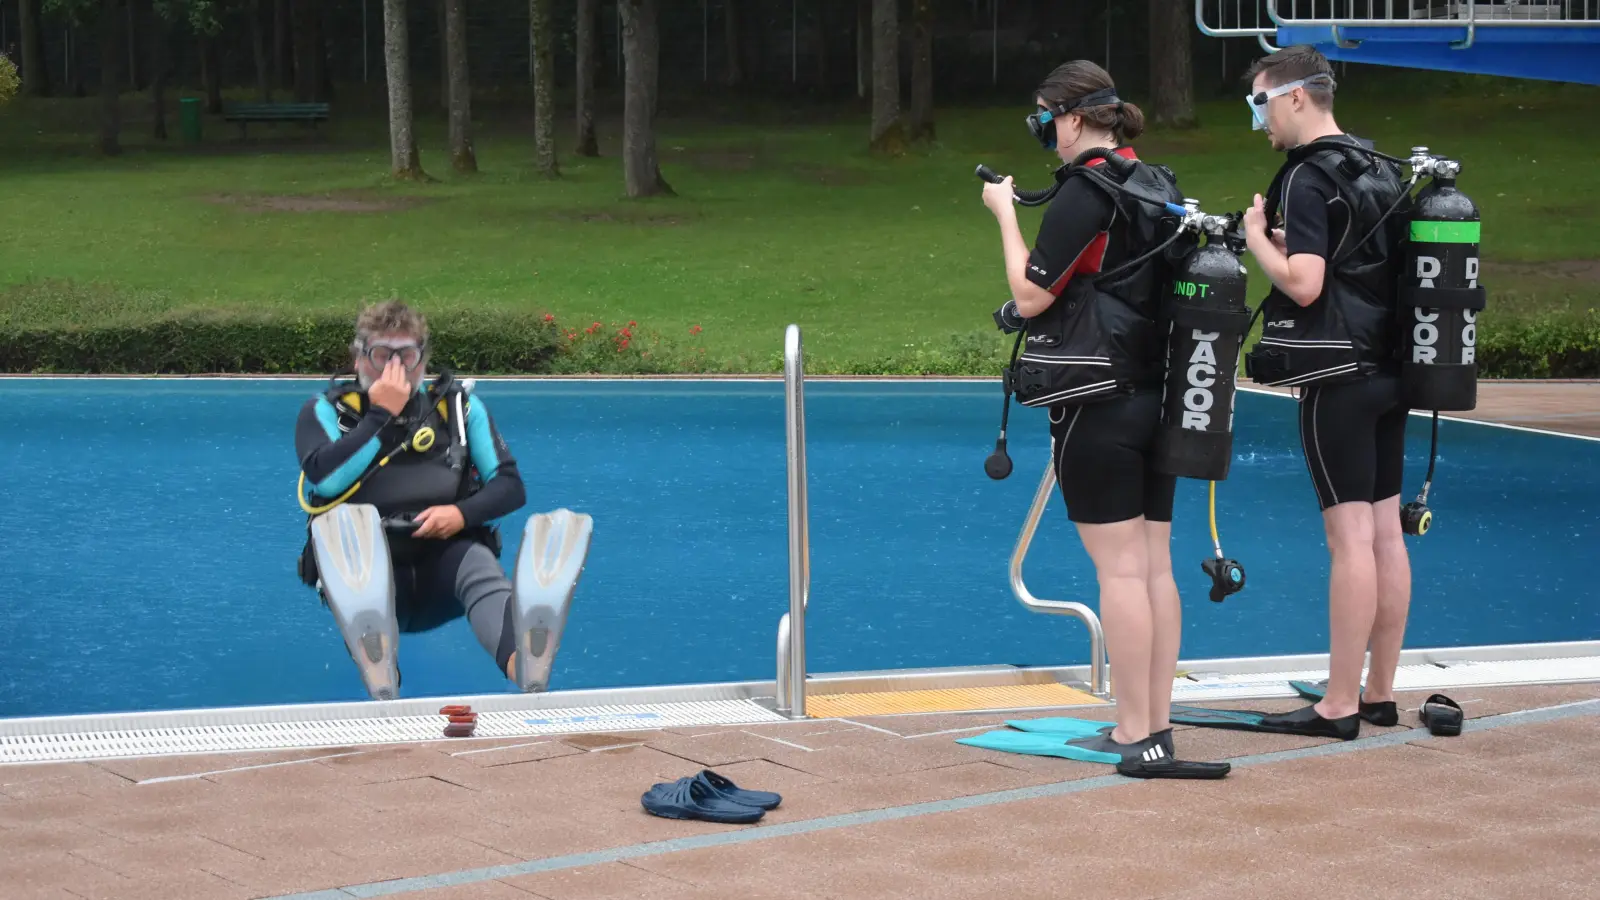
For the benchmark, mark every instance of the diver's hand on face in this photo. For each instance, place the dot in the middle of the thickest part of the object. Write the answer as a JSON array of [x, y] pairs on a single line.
[[392, 389], [439, 522], [999, 196], [1255, 218]]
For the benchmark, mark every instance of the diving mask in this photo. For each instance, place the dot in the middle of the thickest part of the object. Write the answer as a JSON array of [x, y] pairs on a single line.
[[409, 354], [1040, 123], [1258, 101]]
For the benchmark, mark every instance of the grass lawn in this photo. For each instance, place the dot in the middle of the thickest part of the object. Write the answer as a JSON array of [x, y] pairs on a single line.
[[880, 261]]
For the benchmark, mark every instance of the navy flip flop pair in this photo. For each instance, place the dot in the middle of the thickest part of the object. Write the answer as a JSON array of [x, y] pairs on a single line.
[[708, 797]]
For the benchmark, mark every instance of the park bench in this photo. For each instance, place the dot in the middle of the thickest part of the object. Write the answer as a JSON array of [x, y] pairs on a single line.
[[245, 113]]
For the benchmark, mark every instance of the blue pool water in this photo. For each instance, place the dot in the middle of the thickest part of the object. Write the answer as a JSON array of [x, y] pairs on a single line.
[[152, 535]]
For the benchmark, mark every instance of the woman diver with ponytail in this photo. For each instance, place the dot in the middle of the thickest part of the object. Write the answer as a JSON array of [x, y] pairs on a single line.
[[1089, 295]]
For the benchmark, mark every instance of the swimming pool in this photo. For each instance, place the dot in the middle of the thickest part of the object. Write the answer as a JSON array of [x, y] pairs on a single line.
[[153, 535]]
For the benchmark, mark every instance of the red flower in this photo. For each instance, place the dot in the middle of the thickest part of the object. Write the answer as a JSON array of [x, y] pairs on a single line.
[[633, 324], [695, 330], [549, 318]]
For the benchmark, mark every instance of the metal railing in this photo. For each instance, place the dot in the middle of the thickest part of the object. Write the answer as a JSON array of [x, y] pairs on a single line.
[[1260, 19], [1097, 638], [792, 627]]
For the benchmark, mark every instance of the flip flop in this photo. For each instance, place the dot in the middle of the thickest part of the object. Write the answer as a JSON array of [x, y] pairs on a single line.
[[688, 798], [1441, 715], [724, 789]]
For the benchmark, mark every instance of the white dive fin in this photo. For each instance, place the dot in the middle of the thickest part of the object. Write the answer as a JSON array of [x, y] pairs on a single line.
[[554, 547], [357, 580]]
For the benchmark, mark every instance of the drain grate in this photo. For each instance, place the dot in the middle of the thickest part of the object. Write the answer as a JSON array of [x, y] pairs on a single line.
[[113, 744]]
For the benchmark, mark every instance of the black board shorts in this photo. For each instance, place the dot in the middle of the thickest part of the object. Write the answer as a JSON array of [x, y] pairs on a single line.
[[1104, 455], [1354, 439]]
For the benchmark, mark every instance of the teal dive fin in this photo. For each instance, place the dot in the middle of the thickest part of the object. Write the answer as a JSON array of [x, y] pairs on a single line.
[[1038, 745], [357, 582], [1237, 719], [1066, 728], [554, 548], [1310, 690]]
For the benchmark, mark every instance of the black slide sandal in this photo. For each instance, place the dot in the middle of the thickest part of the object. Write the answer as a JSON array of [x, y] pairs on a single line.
[[1442, 716]]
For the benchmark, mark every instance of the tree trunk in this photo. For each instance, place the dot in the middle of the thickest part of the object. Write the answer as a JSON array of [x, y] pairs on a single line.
[[444, 70], [134, 84], [405, 161], [462, 157], [35, 77], [282, 61], [159, 64], [863, 47], [888, 129], [730, 37], [641, 45], [111, 51], [544, 89], [211, 73], [922, 70], [258, 38], [588, 62], [824, 13], [1171, 71], [306, 51]]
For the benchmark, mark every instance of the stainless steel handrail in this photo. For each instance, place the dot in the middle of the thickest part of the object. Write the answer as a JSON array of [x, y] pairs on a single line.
[[792, 627], [1097, 638], [1461, 13]]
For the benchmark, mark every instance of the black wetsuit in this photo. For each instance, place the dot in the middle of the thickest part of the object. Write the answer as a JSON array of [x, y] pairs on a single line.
[[1104, 451], [436, 581], [1353, 433]]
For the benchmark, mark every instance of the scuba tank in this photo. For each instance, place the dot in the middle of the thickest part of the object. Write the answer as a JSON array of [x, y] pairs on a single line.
[[1209, 319], [1440, 297]]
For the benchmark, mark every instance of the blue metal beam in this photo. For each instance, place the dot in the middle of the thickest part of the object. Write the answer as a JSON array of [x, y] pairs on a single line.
[[1550, 53]]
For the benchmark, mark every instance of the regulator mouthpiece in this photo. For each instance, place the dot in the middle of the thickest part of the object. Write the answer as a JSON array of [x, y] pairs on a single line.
[[998, 465], [1227, 577]]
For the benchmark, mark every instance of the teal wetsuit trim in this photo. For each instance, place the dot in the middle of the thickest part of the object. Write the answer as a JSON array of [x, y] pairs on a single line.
[[480, 441], [341, 478]]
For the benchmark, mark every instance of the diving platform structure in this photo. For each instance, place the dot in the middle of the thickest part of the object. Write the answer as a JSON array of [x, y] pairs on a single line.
[[1547, 40]]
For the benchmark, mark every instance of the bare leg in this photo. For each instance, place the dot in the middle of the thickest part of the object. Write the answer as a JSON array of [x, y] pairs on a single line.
[[1352, 604], [1120, 562], [1394, 599], [1166, 617]]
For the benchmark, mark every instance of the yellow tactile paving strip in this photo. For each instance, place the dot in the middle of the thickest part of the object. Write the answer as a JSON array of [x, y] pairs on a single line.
[[883, 703]]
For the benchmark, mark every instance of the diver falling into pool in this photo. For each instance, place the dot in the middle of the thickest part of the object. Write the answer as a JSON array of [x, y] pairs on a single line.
[[406, 482]]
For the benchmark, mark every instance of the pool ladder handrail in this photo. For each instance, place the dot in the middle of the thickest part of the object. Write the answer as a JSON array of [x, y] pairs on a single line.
[[1097, 639], [791, 682]]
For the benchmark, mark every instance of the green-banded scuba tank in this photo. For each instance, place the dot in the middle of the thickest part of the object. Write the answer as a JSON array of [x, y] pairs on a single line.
[[1440, 297]]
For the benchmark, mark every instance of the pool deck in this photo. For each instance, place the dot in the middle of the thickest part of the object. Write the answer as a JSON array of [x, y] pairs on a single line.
[[874, 807], [886, 806]]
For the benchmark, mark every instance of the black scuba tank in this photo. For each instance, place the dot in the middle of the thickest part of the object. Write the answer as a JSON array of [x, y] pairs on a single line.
[[1209, 318], [1440, 296]]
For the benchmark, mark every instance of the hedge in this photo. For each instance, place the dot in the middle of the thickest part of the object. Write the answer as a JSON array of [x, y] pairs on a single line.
[[495, 341], [480, 341]]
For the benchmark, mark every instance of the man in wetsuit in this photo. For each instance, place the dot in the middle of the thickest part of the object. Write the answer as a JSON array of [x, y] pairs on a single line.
[[1352, 418], [448, 566]]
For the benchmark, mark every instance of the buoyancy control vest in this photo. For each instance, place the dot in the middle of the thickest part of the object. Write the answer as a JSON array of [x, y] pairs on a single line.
[[416, 477], [1105, 335], [1349, 332]]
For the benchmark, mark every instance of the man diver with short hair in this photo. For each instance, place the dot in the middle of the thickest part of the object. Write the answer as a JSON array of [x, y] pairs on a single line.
[[432, 462], [1329, 327]]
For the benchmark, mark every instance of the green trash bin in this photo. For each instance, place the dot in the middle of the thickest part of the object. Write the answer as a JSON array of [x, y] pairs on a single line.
[[189, 119]]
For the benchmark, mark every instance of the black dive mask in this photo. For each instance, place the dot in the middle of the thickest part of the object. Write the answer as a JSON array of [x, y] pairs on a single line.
[[1041, 124]]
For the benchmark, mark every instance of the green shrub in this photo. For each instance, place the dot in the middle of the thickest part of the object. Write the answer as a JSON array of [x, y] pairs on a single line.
[[9, 82], [230, 341], [1549, 345]]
